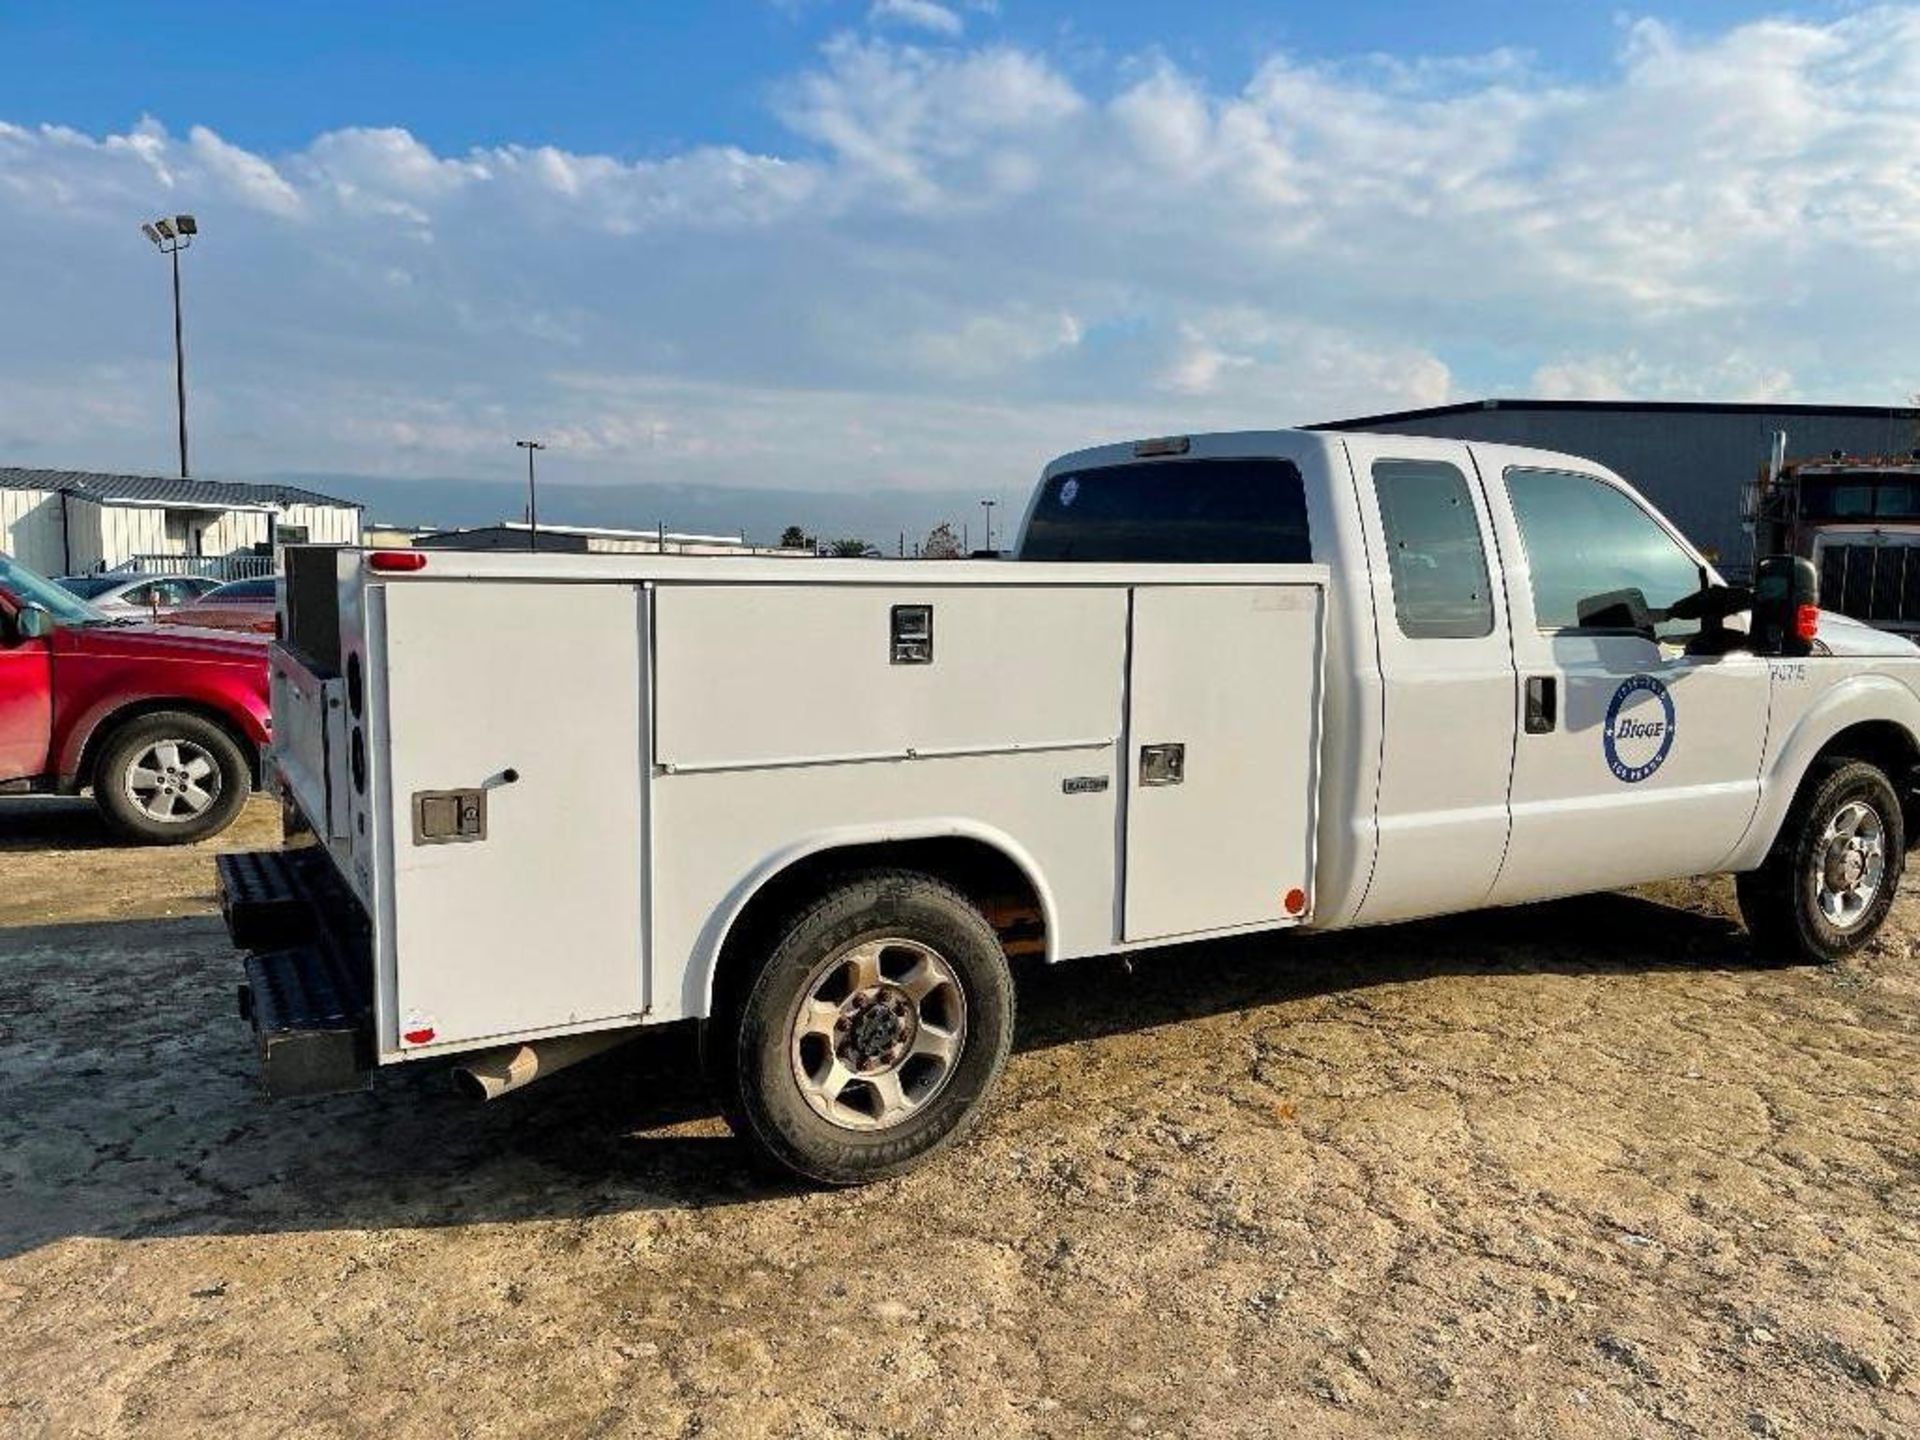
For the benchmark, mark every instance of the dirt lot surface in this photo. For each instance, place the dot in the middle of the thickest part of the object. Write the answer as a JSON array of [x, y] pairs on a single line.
[[1577, 1169]]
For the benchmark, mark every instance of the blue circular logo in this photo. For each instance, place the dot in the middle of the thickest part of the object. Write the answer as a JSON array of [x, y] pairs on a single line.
[[1069, 493], [1639, 729]]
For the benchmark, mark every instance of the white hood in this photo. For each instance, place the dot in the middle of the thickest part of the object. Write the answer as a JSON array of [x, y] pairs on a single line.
[[1843, 635]]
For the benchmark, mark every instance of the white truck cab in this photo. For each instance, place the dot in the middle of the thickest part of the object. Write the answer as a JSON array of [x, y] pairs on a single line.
[[1229, 683]]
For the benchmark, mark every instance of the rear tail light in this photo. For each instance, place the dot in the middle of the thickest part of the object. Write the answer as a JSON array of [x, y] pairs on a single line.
[[1806, 622], [396, 560]]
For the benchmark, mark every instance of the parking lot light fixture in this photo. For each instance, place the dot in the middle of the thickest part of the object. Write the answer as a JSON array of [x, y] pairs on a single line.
[[170, 237], [533, 510]]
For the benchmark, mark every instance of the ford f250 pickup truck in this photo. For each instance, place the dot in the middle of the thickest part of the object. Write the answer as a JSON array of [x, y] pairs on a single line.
[[164, 723], [1231, 684]]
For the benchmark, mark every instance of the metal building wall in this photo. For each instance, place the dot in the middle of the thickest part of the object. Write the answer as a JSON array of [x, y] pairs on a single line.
[[84, 551], [33, 531], [1692, 464], [326, 524]]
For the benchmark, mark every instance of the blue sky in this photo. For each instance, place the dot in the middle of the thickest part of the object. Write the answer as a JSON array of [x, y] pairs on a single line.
[[869, 245], [645, 78]]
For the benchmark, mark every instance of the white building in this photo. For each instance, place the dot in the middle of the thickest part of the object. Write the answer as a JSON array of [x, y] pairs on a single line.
[[592, 540], [71, 522]]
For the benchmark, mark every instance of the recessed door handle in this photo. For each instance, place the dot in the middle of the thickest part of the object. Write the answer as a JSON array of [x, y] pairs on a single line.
[[1543, 695]]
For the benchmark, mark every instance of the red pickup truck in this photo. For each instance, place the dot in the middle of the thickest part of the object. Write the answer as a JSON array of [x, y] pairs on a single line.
[[164, 723]]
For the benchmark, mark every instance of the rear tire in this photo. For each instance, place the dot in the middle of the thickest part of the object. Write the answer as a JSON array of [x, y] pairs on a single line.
[[869, 1036], [1826, 887], [170, 778]]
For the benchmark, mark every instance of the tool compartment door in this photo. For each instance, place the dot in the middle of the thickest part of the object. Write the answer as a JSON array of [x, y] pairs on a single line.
[[1223, 745], [531, 918]]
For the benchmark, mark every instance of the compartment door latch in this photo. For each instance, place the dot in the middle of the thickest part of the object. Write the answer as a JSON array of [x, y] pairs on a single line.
[[1163, 764], [449, 817]]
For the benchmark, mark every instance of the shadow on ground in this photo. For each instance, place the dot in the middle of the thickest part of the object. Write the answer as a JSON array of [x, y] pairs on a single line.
[[132, 1109], [52, 822]]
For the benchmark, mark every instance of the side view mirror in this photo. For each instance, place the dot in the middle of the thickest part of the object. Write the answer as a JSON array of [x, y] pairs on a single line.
[[1616, 610], [30, 622], [1786, 605], [1711, 604]]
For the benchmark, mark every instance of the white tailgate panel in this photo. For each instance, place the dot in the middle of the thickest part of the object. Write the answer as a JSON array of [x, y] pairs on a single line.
[[1233, 674], [540, 924]]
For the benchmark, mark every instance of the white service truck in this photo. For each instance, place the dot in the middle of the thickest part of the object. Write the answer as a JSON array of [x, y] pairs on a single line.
[[1230, 684]]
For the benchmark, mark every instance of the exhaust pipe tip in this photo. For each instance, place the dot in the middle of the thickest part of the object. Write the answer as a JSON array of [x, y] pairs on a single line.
[[469, 1085], [493, 1073]]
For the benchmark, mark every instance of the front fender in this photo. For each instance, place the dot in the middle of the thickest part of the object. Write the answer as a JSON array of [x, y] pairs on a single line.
[[238, 704], [697, 991], [1855, 700]]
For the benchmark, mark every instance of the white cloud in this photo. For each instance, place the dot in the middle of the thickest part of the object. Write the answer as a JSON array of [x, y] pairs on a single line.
[[920, 14], [964, 257]]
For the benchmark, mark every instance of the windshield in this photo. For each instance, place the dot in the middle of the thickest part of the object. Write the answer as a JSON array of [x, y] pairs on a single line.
[[89, 587], [243, 590], [1860, 497], [24, 585]]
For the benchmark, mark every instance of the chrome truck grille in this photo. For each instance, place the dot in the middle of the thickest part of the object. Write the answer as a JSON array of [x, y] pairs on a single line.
[[1879, 584]]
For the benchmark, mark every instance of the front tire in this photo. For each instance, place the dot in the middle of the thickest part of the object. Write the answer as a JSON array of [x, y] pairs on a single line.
[[170, 778], [1827, 885], [869, 1037]]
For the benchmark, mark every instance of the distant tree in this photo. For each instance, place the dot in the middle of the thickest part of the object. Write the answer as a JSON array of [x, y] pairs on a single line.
[[794, 538], [848, 549], [942, 543]]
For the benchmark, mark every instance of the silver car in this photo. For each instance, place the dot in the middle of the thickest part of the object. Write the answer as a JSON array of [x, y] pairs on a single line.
[[137, 594]]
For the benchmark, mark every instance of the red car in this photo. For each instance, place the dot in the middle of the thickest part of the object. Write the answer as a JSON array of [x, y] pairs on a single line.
[[165, 724], [237, 605]]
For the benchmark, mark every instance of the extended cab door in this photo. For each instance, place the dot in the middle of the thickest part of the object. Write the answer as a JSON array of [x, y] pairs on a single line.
[[26, 699], [1446, 676], [1636, 761]]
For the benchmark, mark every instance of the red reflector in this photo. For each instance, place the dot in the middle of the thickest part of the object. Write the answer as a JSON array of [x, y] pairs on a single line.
[[418, 1037], [391, 560], [1806, 621], [1296, 901]]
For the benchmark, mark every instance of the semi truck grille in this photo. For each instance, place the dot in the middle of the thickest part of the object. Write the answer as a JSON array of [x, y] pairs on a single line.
[[1879, 584]]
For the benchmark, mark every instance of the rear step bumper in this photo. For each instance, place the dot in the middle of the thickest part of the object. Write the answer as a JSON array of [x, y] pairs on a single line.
[[267, 896], [308, 990]]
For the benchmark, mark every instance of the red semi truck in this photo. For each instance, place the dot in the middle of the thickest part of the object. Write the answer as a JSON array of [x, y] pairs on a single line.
[[164, 723]]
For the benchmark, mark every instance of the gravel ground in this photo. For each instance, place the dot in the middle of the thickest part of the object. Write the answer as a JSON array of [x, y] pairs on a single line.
[[1575, 1169]]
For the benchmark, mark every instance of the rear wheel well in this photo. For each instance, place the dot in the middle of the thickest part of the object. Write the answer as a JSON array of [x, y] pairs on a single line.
[[105, 730], [997, 885]]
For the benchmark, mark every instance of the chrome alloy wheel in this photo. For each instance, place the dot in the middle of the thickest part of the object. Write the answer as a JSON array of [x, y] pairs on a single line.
[[172, 781], [877, 1033], [1849, 863]]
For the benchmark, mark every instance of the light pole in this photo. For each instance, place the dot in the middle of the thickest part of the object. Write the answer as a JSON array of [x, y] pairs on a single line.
[[533, 510], [171, 237], [987, 505]]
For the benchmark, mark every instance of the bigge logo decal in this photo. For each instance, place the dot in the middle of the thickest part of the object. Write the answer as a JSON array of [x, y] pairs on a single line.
[[1639, 730]]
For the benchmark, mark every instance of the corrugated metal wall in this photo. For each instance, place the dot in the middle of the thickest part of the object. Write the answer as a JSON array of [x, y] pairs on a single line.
[[236, 530], [55, 539], [326, 524], [32, 531], [1692, 464], [83, 535]]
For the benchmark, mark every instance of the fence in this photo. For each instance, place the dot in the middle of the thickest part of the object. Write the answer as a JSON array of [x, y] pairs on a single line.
[[209, 567]]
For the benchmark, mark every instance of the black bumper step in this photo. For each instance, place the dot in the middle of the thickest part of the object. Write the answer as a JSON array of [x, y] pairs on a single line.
[[309, 1009], [268, 897], [309, 985]]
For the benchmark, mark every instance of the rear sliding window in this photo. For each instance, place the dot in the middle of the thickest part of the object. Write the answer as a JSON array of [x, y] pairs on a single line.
[[1246, 512]]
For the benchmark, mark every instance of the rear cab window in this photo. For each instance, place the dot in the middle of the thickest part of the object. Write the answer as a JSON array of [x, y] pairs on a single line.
[[1246, 511], [1435, 553]]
